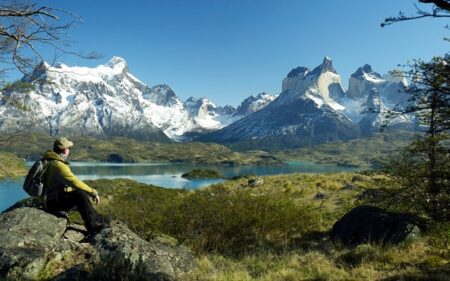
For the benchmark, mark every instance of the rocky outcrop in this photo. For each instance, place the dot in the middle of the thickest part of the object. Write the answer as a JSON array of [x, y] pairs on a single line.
[[155, 259], [368, 224], [32, 246], [35, 245]]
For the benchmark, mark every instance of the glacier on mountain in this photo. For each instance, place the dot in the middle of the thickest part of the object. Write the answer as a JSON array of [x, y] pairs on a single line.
[[314, 108], [108, 100]]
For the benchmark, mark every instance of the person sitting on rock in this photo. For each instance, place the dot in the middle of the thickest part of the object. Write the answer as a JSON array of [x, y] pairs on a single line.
[[64, 190]]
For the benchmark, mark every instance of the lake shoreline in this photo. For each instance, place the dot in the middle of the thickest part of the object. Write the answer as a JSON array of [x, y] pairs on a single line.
[[169, 175]]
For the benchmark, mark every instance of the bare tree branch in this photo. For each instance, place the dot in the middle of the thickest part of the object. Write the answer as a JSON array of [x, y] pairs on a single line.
[[440, 9], [26, 28], [443, 4]]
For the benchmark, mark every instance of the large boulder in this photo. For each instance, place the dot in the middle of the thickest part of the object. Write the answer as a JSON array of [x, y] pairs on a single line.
[[368, 224], [32, 247], [35, 245], [124, 253]]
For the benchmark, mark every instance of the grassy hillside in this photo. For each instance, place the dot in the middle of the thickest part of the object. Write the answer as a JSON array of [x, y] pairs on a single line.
[[276, 231], [364, 152], [11, 165], [130, 150]]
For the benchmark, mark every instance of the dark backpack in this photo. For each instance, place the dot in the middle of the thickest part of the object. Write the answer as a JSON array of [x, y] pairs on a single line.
[[34, 182]]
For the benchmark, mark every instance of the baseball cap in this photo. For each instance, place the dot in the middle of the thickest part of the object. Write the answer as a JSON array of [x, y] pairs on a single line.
[[62, 143]]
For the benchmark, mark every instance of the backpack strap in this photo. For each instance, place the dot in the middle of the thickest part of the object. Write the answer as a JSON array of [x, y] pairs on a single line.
[[46, 164]]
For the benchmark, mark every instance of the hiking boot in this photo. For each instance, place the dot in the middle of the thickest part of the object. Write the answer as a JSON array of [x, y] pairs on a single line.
[[104, 220], [60, 214], [96, 227]]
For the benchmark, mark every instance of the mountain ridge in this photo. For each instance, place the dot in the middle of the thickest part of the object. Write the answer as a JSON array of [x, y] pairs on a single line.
[[313, 108], [108, 100]]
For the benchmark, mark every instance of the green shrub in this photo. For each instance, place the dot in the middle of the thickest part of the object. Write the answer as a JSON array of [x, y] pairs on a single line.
[[142, 207], [216, 220], [276, 231], [202, 173]]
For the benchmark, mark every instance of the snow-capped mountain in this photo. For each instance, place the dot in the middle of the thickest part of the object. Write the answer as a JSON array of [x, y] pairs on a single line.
[[206, 115], [106, 100], [254, 103], [314, 108], [304, 113], [371, 98], [102, 101]]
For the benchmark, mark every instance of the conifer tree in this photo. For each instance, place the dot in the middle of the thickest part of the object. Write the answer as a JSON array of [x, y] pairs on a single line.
[[421, 172]]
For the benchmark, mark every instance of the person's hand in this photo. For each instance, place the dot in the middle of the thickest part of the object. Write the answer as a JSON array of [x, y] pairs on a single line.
[[97, 199], [95, 196]]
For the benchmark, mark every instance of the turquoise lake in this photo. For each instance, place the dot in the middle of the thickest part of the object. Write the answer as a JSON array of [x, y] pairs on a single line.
[[166, 175]]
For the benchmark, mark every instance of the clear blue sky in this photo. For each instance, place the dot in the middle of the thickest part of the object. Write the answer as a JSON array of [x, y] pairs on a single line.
[[229, 49]]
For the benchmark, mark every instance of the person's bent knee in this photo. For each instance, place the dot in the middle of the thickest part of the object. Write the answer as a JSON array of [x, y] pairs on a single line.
[[80, 195]]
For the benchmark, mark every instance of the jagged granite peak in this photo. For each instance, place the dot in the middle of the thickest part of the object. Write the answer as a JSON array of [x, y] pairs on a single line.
[[371, 97], [207, 116], [117, 62], [39, 72], [322, 85], [326, 66], [299, 71], [365, 70], [200, 107], [391, 88], [196, 105], [254, 103], [162, 95], [313, 108], [362, 81], [304, 113], [226, 110]]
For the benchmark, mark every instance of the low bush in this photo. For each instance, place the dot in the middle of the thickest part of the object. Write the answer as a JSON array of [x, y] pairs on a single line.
[[216, 220], [219, 219], [202, 173], [276, 231]]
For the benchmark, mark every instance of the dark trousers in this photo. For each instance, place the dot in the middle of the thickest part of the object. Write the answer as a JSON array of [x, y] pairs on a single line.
[[79, 199]]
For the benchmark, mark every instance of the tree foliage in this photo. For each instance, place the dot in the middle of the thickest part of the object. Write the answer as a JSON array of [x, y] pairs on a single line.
[[430, 93], [420, 174]]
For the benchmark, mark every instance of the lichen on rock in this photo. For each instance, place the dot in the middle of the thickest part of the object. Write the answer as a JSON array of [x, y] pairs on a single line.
[[35, 245]]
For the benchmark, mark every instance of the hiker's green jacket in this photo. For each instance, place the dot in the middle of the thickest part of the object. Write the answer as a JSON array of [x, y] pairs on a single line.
[[59, 178]]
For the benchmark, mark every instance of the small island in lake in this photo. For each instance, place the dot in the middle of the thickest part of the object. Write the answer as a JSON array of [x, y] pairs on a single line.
[[202, 173]]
